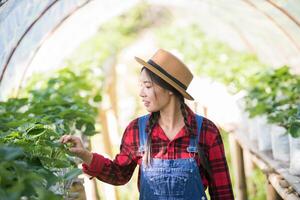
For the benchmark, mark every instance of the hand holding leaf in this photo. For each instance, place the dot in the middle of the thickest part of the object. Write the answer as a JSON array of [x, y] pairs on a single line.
[[77, 148]]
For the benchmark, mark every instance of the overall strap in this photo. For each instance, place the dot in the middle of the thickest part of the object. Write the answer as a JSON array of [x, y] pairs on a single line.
[[142, 132], [193, 147]]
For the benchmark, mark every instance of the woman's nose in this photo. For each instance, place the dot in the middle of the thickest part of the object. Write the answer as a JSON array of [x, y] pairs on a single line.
[[142, 93]]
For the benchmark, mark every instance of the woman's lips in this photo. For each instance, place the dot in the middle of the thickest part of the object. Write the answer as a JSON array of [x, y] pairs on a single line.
[[146, 103]]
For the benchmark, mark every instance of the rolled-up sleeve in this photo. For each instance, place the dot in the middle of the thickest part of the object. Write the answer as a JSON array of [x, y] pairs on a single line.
[[119, 170], [220, 186]]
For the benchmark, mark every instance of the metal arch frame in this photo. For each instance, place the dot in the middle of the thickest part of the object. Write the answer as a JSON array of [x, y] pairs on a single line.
[[247, 42], [30, 27], [285, 12], [45, 39], [2, 2], [238, 31], [22, 37], [232, 25], [243, 38], [295, 43]]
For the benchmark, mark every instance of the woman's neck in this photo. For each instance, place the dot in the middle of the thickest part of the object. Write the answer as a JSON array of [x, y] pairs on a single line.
[[171, 116]]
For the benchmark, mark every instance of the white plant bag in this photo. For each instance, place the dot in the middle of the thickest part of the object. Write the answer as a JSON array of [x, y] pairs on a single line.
[[280, 143], [294, 155], [264, 134], [253, 127]]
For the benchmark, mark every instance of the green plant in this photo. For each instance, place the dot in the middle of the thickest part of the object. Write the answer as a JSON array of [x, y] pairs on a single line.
[[66, 103], [209, 56], [276, 94], [294, 128], [63, 104], [21, 178], [53, 104]]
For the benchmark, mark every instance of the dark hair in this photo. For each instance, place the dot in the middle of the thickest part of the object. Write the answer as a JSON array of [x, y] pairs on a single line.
[[154, 119]]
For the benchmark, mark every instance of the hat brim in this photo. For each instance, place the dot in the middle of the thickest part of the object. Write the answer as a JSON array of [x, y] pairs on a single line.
[[165, 78]]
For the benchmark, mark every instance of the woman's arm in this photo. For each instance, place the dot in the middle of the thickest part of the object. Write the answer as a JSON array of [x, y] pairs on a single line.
[[115, 172], [220, 188], [77, 148]]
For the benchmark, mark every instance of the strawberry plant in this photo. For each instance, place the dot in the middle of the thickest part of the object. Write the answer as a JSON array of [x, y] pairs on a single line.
[[294, 128], [276, 94], [210, 57], [22, 178], [33, 163]]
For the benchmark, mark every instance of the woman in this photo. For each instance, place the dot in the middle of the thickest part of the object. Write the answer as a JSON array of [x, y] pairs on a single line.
[[180, 153]]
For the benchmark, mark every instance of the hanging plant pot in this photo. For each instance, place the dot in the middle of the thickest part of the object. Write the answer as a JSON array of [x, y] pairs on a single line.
[[294, 155], [280, 143]]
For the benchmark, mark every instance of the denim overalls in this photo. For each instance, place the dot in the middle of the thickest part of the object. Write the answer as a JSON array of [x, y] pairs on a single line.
[[171, 179]]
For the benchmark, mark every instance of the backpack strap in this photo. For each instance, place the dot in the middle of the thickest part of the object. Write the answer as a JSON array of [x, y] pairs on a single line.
[[193, 146], [142, 121]]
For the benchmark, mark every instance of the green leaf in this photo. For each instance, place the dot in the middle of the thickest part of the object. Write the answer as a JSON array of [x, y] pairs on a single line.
[[294, 129], [89, 129], [54, 162], [10, 153], [98, 98], [44, 194], [72, 174], [35, 130]]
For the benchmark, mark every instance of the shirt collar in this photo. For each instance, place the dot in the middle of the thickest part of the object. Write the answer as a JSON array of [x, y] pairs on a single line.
[[191, 120]]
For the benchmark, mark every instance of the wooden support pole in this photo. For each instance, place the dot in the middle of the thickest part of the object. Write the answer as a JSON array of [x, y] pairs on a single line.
[[249, 170], [205, 111], [105, 133], [90, 186], [281, 188], [239, 170], [280, 184], [112, 90], [271, 192], [107, 142]]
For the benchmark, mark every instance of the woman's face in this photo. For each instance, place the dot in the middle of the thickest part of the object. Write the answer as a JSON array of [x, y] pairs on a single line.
[[153, 96]]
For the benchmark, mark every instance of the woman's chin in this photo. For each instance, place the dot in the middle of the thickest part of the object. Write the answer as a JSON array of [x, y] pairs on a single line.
[[151, 109], [148, 109]]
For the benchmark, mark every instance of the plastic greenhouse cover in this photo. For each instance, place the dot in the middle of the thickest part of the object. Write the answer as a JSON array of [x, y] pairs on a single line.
[[17, 16], [270, 29]]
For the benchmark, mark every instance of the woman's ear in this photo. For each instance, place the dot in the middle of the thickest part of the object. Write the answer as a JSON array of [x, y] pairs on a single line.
[[171, 93]]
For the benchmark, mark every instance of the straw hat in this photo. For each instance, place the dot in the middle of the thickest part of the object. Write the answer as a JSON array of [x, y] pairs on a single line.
[[170, 69]]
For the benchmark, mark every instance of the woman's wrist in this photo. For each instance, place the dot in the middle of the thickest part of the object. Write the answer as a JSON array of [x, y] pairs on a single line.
[[87, 157]]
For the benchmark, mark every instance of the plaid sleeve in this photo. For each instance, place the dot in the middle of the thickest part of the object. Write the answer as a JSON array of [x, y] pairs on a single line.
[[220, 187], [120, 170]]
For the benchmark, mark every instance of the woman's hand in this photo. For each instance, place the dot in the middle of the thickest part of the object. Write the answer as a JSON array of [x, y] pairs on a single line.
[[77, 148]]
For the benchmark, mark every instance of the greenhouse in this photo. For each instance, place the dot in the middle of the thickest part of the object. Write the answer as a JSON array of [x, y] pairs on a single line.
[[123, 100]]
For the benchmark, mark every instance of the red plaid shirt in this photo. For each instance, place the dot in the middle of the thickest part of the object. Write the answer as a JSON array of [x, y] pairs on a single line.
[[120, 170]]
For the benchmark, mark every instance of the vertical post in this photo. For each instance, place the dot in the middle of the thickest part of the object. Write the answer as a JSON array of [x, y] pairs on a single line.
[[107, 143], [205, 111], [249, 170], [271, 192], [90, 186], [239, 170], [105, 132], [112, 90]]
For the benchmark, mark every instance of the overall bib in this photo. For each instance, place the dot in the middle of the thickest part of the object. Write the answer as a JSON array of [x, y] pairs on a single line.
[[171, 179]]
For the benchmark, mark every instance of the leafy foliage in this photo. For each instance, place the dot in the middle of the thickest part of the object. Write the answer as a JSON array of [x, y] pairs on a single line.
[[271, 92], [210, 57], [276, 94], [294, 128], [33, 126], [31, 158], [19, 177]]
